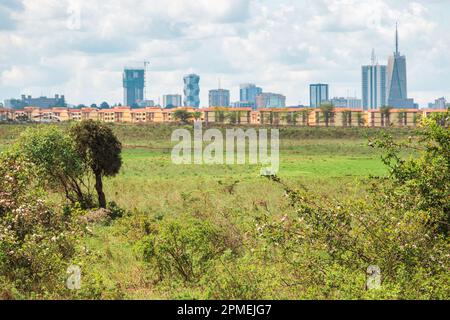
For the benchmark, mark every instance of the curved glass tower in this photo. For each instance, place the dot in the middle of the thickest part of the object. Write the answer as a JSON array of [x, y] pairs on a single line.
[[191, 91], [396, 81]]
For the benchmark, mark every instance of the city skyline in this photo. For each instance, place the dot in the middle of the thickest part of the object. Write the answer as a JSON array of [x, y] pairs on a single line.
[[228, 40]]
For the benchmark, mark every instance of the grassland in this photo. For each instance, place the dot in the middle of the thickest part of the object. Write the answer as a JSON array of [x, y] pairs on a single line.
[[332, 162]]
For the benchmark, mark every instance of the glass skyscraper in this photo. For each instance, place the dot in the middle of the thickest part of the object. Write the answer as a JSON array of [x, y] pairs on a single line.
[[318, 94], [219, 98], [248, 93], [172, 100], [133, 86], [373, 85], [396, 80], [191, 91], [270, 100]]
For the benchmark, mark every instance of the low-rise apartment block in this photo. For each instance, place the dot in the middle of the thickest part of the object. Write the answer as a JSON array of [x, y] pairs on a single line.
[[337, 117]]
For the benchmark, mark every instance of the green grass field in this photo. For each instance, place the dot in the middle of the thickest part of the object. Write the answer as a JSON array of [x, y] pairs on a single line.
[[331, 162]]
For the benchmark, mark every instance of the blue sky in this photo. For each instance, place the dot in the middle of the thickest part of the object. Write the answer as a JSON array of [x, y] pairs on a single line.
[[79, 47]]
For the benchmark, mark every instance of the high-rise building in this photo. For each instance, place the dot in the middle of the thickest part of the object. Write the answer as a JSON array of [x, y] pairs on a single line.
[[248, 93], [351, 103], [145, 103], [354, 103], [318, 94], [440, 103], [191, 91], [397, 93], [243, 104], [133, 86], [270, 100], [40, 102], [373, 85], [219, 98], [172, 100]]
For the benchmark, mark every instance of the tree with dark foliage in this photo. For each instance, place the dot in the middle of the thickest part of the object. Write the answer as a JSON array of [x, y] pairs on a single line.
[[100, 150]]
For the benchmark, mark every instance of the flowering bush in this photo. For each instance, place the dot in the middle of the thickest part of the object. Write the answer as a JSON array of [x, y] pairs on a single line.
[[36, 241]]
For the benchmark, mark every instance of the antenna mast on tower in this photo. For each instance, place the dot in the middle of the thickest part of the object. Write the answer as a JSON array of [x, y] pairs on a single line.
[[373, 57], [396, 39]]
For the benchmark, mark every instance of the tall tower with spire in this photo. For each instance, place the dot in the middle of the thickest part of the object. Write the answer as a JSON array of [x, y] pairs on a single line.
[[396, 79], [396, 39]]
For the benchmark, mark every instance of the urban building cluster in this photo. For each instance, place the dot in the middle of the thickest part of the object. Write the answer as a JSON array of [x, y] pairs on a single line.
[[382, 85], [336, 117]]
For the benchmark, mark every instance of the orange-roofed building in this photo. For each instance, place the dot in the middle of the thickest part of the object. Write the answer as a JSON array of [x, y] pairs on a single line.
[[226, 115]]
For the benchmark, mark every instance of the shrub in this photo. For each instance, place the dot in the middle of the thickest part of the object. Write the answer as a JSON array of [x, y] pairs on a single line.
[[36, 242], [56, 162], [402, 227], [182, 248]]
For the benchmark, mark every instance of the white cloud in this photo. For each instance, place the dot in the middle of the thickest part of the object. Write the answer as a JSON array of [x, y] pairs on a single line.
[[280, 45]]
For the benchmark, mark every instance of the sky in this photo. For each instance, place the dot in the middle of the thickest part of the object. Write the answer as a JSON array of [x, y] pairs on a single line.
[[80, 47]]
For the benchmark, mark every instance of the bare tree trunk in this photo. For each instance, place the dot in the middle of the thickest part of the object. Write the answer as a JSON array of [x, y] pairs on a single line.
[[99, 189]]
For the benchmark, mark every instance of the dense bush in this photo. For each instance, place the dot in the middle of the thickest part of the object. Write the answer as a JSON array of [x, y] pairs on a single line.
[[401, 227], [39, 241], [182, 249], [36, 241], [56, 162]]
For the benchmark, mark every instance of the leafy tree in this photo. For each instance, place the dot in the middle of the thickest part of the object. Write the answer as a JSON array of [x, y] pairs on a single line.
[[104, 105], [197, 115], [424, 182], [402, 118], [386, 115], [94, 106], [100, 150], [360, 118], [305, 116], [327, 110], [347, 118], [233, 116], [182, 115], [56, 162], [291, 117], [219, 115]]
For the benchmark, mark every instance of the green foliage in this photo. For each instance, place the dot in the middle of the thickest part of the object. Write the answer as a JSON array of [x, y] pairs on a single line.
[[115, 211], [327, 110], [56, 161], [201, 235], [233, 117], [402, 227], [197, 115], [104, 105], [99, 149], [291, 117], [182, 249], [36, 242], [422, 183], [182, 115]]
